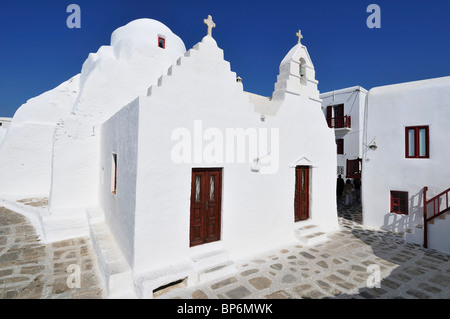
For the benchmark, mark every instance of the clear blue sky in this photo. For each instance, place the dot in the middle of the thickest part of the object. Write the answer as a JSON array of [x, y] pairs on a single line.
[[38, 51]]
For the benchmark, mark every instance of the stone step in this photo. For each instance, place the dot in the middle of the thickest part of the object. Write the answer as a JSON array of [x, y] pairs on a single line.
[[310, 235], [441, 217], [216, 271], [205, 260], [212, 265], [117, 274], [307, 230], [313, 239]]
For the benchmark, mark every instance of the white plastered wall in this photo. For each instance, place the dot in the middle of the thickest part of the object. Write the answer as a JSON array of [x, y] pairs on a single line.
[[120, 137], [354, 100], [110, 79], [390, 109], [257, 209]]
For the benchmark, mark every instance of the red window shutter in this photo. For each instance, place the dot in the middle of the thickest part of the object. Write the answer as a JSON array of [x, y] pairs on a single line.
[[399, 202]]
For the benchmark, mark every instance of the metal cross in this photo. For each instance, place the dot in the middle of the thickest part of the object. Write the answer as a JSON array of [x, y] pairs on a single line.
[[299, 36], [210, 24]]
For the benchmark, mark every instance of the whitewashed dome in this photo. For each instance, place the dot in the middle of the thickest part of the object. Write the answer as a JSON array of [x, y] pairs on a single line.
[[148, 31]]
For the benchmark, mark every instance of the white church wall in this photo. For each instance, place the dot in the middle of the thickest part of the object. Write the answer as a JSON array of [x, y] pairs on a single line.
[[110, 79], [26, 151], [391, 109], [257, 208], [5, 122], [118, 187]]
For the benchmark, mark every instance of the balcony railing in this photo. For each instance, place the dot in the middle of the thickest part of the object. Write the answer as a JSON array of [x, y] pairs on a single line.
[[340, 122]]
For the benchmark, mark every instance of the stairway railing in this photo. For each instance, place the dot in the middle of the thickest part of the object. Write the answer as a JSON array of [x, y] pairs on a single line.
[[438, 210]]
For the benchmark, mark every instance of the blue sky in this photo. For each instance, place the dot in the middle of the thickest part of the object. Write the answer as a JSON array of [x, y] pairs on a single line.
[[38, 51]]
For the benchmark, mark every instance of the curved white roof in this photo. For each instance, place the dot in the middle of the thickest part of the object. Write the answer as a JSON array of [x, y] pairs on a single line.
[[148, 30]]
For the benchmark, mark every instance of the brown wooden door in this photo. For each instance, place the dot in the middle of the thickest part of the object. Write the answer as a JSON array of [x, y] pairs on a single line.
[[301, 206], [339, 110], [206, 198]]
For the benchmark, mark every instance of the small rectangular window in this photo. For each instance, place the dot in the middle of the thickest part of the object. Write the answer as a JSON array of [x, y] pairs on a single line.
[[161, 42], [417, 142], [399, 202], [114, 173]]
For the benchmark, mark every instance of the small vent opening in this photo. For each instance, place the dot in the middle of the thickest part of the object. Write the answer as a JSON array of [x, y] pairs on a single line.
[[181, 283]]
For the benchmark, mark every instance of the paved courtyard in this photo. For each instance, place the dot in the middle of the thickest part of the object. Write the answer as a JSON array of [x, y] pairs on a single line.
[[355, 262], [343, 267], [32, 270]]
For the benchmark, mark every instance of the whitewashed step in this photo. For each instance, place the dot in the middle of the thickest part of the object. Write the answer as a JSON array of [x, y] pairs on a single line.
[[117, 274], [216, 271], [213, 265], [310, 235], [441, 217], [307, 230], [207, 259]]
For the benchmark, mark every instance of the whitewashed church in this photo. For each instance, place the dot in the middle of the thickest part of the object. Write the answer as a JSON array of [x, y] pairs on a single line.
[[168, 164]]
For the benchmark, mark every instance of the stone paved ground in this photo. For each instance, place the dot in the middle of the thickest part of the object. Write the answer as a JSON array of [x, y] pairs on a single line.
[[338, 268], [342, 268], [32, 270]]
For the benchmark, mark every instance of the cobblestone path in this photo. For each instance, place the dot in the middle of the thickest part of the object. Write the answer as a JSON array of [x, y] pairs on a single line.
[[345, 266], [32, 270]]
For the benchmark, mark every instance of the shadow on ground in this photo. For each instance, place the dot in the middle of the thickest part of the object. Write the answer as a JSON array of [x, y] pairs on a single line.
[[403, 270]]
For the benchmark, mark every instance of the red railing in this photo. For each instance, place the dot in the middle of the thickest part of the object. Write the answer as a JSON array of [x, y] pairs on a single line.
[[340, 122], [439, 204]]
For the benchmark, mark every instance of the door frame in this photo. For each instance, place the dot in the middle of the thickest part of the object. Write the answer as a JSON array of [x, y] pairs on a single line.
[[218, 189], [297, 215]]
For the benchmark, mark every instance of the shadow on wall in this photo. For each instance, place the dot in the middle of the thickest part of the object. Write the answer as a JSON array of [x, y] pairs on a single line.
[[399, 223], [407, 271]]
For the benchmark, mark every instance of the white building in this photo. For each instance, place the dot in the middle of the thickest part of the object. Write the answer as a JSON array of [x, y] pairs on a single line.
[[344, 112], [5, 122], [405, 139], [169, 165]]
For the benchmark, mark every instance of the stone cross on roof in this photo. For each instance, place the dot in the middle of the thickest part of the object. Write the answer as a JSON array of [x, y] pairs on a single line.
[[210, 24], [299, 35]]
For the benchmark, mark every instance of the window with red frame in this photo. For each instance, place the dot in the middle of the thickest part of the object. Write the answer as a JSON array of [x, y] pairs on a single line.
[[340, 146], [399, 202], [417, 142], [161, 42]]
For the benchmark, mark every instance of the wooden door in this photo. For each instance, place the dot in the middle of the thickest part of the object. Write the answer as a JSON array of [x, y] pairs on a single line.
[[301, 206], [339, 110], [206, 198]]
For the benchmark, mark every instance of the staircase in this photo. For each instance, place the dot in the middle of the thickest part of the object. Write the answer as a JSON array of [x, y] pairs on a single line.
[[213, 265], [116, 273], [435, 211], [203, 267]]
